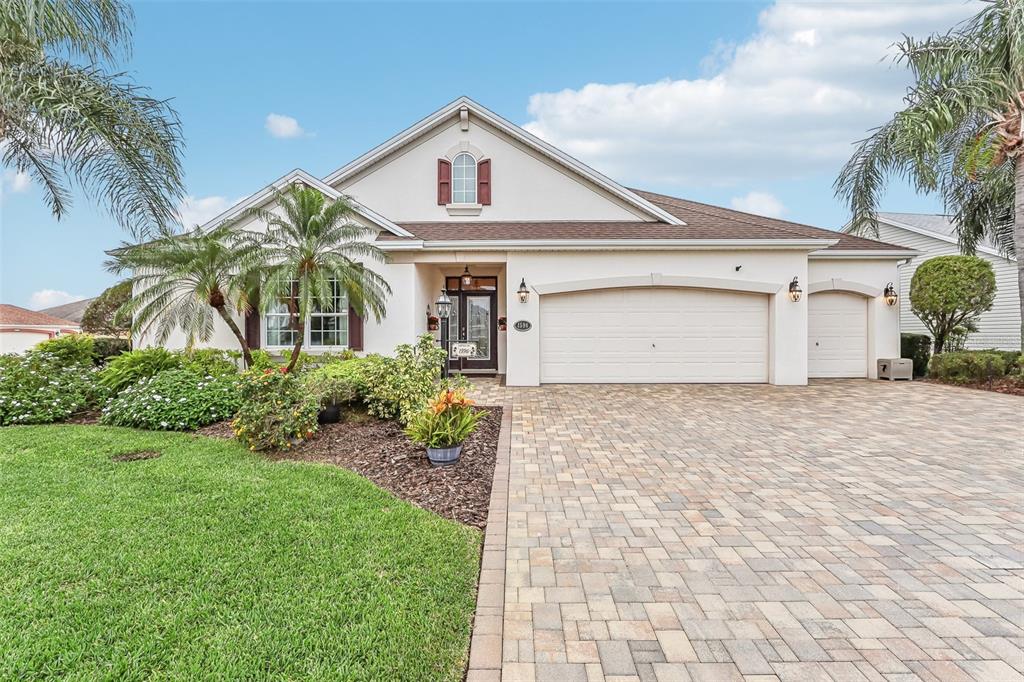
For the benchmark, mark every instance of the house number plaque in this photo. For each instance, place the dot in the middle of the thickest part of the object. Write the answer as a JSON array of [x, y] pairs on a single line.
[[523, 326], [462, 349]]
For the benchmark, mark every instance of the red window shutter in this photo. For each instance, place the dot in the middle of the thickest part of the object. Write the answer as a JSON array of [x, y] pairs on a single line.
[[444, 182], [355, 330], [252, 323], [483, 182]]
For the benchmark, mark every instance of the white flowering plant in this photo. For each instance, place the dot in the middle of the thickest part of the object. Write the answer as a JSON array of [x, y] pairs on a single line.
[[42, 387], [174, 400]]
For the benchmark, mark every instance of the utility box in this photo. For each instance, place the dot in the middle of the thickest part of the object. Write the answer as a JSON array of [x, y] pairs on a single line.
[[896, 368]]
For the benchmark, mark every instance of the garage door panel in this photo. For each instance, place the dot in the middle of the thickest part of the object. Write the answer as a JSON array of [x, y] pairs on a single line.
[[654, 335], [836, 335]]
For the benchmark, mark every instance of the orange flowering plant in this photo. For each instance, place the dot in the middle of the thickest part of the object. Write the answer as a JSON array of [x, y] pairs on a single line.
[[447, 420]]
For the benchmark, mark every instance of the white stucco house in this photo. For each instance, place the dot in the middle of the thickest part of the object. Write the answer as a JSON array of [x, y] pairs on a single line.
[[935, 235], [22, 329], [621, 285]]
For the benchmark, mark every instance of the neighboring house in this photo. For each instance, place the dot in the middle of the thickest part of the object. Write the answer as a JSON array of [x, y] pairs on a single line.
[[21, 329], [72, 312], [620, 285], [935, 235]]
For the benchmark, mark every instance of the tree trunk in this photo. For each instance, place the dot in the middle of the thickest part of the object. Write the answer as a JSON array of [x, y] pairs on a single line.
[[1018, 235], [230, 322], [300, 327]]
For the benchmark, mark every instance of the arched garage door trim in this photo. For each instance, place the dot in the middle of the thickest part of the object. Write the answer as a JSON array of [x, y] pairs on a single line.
[[655, 279], [845, 285]]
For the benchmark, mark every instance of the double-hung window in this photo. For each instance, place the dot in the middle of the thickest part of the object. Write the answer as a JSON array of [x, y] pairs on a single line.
[[327, 326]]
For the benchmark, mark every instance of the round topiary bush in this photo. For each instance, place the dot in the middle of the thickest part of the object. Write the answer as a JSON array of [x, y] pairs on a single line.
[[174, 400]]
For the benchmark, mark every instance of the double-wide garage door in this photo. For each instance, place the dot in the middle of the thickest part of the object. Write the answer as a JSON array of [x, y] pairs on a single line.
[[650, 335]]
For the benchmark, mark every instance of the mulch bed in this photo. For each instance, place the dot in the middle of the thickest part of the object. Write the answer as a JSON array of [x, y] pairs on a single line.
[[84, 418], [1004, 385], [379, 450]]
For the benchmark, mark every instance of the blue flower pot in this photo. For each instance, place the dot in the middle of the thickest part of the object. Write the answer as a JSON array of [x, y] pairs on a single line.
[[444, 456]]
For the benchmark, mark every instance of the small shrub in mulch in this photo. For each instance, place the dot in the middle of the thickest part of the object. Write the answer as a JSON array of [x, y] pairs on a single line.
[[135, 456], [1007, 385]]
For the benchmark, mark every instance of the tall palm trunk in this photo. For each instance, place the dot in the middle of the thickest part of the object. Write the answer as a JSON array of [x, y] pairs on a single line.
[[230, 322], [1018, 235]]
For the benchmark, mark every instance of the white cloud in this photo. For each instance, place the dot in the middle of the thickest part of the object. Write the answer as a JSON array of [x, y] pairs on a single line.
[[788, 102], [760, 203], [280, 125], [16, 181], [47, 298], [193, 211]]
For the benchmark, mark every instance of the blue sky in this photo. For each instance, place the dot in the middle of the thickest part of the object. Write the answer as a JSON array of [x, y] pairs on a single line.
[[735, 103]]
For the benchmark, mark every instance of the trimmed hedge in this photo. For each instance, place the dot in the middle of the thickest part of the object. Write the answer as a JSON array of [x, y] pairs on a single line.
[[966, 367], [917, 347]]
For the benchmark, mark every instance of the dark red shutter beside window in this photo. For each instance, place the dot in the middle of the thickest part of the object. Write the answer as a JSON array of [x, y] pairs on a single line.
[[355, 330], [483, 182], [252, 323], [444, 182]]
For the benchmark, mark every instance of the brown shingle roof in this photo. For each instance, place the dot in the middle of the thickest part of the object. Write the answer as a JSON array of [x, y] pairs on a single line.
[[12, 314], [703, 221]]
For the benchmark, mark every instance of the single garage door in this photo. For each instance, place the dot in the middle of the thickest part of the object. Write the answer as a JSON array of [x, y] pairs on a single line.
[[837, 335], [649, 335]]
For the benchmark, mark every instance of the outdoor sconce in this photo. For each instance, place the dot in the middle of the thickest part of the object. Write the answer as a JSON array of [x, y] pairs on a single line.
[[443, 304], [524, 293], [467, 279], [890, 295], [795, 291]]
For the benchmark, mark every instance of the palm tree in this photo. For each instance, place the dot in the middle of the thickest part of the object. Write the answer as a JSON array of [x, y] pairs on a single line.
[[179, 281], [960, 133], [63, 117], [306, 250]]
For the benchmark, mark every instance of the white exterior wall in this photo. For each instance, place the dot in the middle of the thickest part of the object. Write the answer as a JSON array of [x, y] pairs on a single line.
[[18, 342], [997, 328], [883, 320], [787, 324], [525, 185]]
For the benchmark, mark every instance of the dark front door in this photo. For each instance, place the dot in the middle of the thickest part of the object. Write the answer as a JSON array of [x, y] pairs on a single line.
[[474, 321]]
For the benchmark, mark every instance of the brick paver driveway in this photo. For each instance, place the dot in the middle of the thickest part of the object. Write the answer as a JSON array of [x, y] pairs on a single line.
[[847, 530]]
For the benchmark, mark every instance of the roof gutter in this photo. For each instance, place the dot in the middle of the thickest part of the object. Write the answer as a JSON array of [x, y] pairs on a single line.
[[882, 254], [616, 244]]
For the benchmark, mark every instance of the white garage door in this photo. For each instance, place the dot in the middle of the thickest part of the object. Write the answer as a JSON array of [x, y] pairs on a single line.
[[837, 335], [652, 335]]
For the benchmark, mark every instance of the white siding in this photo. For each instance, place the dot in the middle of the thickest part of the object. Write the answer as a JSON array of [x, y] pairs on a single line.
[[997, 328]]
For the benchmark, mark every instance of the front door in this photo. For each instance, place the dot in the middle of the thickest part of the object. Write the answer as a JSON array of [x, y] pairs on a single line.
[[474, 320]]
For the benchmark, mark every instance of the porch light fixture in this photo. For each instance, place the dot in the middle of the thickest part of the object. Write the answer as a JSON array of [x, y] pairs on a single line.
[[795, 291], [443, 305], [890, 295], [524, 293], [467, 279]]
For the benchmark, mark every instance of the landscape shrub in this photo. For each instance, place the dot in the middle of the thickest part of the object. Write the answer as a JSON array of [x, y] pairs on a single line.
[[335, 382], [966, 367], [917, 347], [1011, 358], [398, 387], [174, 400], [276, 411], [128, 368], [69, 349], [106, 347], [41, 388], [211, 361]]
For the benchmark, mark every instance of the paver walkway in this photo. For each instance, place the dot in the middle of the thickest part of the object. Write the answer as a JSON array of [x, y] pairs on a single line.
[[848, 530]]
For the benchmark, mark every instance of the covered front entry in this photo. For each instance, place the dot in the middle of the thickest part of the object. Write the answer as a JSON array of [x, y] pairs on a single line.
[[654, 335], [837, 335]]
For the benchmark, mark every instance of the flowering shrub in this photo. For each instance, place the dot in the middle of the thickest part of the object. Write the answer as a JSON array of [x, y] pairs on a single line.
[[128, 368], [69, 349], [174, 400], [398, 387], [277, 410], [40, 388], [210, 361], [447, 420], [335, 382]]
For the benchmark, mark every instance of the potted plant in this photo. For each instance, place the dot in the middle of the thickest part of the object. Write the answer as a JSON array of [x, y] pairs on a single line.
[[333, 387], [443, 425], [433, 323]]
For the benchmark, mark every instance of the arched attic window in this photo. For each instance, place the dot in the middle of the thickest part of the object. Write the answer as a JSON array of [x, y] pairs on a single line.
[[464, 179]]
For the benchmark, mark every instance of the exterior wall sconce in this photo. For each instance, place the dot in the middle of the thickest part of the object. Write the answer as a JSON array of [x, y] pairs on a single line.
[[524, 293], [795, 291], [467, 279], [890, 295]]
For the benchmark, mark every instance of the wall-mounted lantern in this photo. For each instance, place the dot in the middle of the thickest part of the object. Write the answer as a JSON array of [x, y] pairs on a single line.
[[467, 279], [890, 295], [524, 293], [795, 291]]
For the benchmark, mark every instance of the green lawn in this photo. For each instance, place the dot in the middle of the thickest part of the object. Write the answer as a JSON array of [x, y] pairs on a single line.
[[210, 562]]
